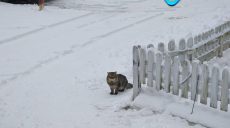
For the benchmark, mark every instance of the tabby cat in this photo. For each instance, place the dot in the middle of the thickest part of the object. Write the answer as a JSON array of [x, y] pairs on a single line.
[[117, 82]]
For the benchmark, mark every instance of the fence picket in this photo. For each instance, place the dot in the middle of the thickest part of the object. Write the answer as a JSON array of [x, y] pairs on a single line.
[[210, 33], [203, 36], [158, 71], [194, 80], [150, 68], [142, 65], [182, 47], [185, 74], [167, 78], [214, 87], [150, 46], [204, 83], [161, 47], [199, 38], [175, 73], [190, 42], [224, 90], [220, 51], [190, 45], [216, 30], [171, 45], [135, 72], [195, 40]]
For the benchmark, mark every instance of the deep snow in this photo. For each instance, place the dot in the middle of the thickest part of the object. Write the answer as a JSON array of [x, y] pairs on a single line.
[[53, 63]]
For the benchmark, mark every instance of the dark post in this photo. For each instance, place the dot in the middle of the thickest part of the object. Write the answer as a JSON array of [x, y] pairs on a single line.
[[41, 4]]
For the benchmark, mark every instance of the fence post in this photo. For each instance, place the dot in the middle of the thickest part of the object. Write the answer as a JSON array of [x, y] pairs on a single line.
[[158, 71], [220, 51], [214, 87], [224, 90], [189, 46], [150, 68], [135, 72], [175, 73], [142, 66], [194, 80], [167, 80], [204, 83]]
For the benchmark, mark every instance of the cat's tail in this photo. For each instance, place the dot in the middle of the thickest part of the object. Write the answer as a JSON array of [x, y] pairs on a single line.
[[129, 86]]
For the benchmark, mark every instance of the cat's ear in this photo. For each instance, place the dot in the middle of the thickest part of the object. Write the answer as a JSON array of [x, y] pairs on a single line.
[[116, 72], [107, 72]]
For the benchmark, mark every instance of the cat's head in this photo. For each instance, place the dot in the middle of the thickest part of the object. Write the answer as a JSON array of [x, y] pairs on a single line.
[[112, 74]]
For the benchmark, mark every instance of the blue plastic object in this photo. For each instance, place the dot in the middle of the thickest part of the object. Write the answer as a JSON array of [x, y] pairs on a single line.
[[172, 2]]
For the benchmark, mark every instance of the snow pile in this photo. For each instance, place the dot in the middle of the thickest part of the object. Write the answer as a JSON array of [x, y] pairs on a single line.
[[161, 102]]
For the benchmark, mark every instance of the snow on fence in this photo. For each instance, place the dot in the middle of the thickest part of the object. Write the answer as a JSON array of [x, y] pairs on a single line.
[[182, 72]]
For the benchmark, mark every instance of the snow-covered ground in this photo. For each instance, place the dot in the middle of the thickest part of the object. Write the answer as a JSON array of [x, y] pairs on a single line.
[[53, 63]]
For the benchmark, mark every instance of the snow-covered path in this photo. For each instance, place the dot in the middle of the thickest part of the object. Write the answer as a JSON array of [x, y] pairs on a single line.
[[53, 64]]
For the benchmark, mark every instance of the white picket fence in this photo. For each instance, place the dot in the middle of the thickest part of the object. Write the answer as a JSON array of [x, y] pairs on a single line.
[[182, 72]]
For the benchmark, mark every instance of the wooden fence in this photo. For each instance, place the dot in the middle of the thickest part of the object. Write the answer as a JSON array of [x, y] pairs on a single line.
[[181, 71]]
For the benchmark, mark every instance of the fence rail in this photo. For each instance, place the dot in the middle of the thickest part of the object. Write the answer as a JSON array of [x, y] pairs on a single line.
[[181, 71]]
